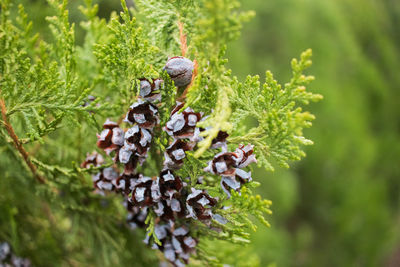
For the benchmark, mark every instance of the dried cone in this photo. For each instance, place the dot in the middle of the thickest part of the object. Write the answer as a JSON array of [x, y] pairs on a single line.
[[111, 138], [5, 251], [162, 231], [228, 182], [170, 184], [92, 160], [8, 259], [182, 124], [129, 159], [223, 164], [176, 244], [136, 216], [150, 91], [175, 153], [244, 156], [130, 167], [125, 183], [199, 204], [170, 209], [220, 140], [105, 179], [124, 155], [229, 165], [146, 192], [183, 244], [226, 163], [144, 114], [138, 140], [89, 101]]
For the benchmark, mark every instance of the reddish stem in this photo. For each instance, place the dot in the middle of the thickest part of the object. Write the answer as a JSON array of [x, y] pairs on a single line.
[[182, 38], [18, 143]]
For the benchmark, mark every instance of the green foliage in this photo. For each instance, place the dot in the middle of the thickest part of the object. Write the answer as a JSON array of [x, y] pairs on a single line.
[[45, 87], [217, 251], [39, 83], [126, 56], [280, 121]]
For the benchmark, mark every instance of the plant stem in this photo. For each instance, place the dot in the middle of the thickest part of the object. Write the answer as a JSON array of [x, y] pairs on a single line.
[[182, 38], [18, 143], [183, 41]]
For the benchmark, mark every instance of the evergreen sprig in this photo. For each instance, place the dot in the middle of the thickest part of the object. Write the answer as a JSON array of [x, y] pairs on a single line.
[[55, 92], [280, 119]]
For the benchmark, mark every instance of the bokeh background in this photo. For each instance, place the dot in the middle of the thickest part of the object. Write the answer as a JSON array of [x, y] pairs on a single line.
[[340, 205]]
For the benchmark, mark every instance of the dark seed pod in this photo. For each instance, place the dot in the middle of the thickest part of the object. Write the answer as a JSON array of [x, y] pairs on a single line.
[[5, 251], [124, 155], [229, 165], [150, 91], [131, 164], [8, 259], [162, 210], [199, 204], [19, 262], [111, 138], [200, 180], [170, 184], [129, 159], [176, 244], [183, 243], [138, 140], [162, 232], [146, 192], [228, 182], [175, 153], [179, 249], [244, 156], [220, 140], [105, 179], [170, 209], [125, 183], [92, 160], [182, 124], [144, 114], [180, 69], [136, 216], [222, 164]]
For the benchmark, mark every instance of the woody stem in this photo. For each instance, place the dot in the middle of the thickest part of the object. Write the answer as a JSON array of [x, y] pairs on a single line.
[[18, 144]]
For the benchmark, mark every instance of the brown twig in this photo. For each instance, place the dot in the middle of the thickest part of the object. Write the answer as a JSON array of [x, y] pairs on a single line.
[[183, 41], [18, 144], [182, 38]]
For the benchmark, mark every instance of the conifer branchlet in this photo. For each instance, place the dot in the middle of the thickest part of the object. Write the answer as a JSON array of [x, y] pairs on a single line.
[[179, 157]]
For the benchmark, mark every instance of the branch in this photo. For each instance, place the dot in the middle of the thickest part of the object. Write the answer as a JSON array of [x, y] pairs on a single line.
[[18, 143], [182, 38]]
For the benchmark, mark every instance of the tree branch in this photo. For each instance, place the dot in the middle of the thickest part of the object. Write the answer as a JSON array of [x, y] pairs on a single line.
[[18, 143], [182, 38]]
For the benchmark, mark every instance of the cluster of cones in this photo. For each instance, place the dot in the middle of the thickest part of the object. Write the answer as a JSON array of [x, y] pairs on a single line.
[[166, 196], [9, 259]]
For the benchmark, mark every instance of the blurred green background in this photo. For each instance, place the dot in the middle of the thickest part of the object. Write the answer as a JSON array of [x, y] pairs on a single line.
[[340, 205]]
